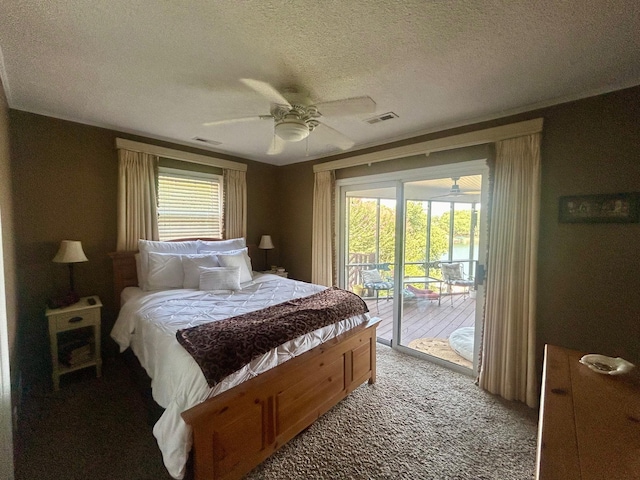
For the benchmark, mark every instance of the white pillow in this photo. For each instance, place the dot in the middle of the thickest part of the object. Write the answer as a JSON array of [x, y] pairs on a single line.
[[221, 245], [147, 246], [371, 276], [220, 278], [244, 251], [165, 271], [191, 265], [238, 258]]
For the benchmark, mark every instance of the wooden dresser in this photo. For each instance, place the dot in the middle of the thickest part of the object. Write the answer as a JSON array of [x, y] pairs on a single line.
[[589, 422]]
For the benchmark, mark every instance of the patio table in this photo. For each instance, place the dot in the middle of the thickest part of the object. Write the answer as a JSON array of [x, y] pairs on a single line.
[[426, 281]]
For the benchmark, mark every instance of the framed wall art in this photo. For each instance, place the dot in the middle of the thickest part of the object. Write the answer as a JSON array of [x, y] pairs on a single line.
[[605, 208]]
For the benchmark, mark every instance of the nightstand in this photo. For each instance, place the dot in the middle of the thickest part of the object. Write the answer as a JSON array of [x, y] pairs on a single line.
[[74, 332], [277, 272]]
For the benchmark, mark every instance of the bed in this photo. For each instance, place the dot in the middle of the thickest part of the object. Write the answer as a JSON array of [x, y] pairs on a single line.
[[235, 424]]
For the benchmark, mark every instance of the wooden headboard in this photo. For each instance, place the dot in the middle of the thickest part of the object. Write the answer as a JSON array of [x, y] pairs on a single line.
[[126, 275], [124, 272]]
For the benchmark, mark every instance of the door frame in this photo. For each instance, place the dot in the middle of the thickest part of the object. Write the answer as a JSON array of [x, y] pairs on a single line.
[[6, 413]]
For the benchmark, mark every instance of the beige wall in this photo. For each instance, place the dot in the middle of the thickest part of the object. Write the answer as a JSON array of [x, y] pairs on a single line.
[[65, 187], [295, 188], [589, 275]]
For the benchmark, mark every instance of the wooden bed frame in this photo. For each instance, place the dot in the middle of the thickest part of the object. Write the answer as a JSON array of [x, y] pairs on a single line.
[[235, 431]]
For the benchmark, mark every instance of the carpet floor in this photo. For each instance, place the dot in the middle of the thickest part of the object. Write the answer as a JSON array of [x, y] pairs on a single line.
[[419, 421]]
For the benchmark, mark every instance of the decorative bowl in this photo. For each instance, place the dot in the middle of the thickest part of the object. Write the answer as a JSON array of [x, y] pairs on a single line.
[[607, 365]]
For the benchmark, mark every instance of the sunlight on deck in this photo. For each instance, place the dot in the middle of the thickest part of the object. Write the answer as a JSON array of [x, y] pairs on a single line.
[[424, 319]]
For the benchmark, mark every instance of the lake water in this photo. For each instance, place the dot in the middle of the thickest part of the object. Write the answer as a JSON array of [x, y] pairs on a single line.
[[461, 252]]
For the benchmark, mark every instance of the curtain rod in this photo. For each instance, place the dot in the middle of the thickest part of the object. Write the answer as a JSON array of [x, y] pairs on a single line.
[[478, 137], [125, 144]]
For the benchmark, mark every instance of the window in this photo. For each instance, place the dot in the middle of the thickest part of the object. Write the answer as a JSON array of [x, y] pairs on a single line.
[[189, 204]]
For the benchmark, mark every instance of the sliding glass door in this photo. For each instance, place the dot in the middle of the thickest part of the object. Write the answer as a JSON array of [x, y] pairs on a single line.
[[438, 314], [369, 243], [399, 242]]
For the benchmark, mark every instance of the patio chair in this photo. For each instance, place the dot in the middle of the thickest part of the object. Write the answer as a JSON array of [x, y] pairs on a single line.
[[372, 280], [453, 276]]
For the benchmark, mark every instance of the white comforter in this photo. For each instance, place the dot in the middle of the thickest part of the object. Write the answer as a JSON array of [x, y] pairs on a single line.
[[148, 323]]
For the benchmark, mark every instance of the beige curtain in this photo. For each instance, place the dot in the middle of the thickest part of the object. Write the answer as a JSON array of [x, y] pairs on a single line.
[[235, 215], [323, 221], [137, 207], [508, 365]]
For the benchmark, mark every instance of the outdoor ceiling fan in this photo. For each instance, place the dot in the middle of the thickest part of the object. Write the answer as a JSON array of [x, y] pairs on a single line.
[[295, 115], [455, 190]]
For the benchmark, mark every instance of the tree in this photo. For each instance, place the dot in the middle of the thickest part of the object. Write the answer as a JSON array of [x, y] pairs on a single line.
[[362, 228], [363, 231], [416, 238], [461, 222]]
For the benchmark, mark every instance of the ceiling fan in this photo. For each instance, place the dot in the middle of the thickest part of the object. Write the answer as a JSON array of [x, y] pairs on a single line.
[[455, 190], [295, 115]]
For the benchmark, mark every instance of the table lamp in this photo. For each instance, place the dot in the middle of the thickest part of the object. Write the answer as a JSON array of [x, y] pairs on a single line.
[[70, 252], [266, 244]]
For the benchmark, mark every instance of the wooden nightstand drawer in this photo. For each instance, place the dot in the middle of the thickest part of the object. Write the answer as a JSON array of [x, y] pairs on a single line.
[[72, 320]]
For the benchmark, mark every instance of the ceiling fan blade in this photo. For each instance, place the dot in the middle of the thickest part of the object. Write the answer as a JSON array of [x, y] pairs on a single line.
[[277, 146], [347, 106], [331, 136], [266, 90], [462, 193], [440, 196], [238, 120]]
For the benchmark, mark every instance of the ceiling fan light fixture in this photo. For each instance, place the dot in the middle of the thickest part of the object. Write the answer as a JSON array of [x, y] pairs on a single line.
[[292, 130], [455, 188]]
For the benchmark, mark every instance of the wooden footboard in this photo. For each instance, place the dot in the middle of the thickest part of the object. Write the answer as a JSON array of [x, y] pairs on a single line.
[[235, 431]]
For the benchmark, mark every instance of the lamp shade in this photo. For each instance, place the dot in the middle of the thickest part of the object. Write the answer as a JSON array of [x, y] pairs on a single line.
[[70, 252], [266, 243]]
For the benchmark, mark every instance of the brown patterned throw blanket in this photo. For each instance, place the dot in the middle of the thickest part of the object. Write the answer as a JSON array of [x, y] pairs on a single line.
[[225, 346]]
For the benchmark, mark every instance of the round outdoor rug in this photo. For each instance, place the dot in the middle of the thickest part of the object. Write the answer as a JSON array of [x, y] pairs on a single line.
[[440, 348]]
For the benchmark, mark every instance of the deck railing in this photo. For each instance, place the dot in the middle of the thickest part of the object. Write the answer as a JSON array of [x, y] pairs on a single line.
[[366, 261]]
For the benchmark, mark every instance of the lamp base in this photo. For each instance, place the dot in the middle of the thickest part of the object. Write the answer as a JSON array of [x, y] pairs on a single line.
[[61, 302]]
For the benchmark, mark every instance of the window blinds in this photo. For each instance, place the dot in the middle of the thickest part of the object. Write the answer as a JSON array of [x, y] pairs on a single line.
[[189, 204]]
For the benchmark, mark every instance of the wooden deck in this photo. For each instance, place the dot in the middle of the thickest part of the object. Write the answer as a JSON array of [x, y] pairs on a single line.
[[424, 318]]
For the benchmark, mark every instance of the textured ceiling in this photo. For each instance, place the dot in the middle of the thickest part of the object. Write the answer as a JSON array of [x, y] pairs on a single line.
[[163, 69]]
